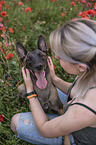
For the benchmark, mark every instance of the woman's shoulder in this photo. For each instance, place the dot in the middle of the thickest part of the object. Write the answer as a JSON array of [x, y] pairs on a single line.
[[89, 99]]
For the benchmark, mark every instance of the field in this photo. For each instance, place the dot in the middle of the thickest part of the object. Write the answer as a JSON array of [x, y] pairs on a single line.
[[24, 21]]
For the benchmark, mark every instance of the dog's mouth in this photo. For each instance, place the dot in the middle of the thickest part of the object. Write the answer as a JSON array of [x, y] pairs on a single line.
[[41, 79]]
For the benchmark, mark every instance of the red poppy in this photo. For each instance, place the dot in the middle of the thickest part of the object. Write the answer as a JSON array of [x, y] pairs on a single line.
[[91, 12], [15, 47], [74, 18], [0, 7], [20, 4], [1, 26], [2, 2], [11, 30], [63, 14], [7, 6], [9, 56], [2, 50], [94, 5], [4, 29], [7, 44], [39, 11], [1, 118], [88, 4], [28, 9], [23, 28], [53, 0], [83, 1], [6, 21], [4, 13], [73, 3], [85, 17], [1, 19], [54, 66], [83, 14]]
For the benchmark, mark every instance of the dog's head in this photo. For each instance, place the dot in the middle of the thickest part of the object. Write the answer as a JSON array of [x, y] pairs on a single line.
[[35, 61]]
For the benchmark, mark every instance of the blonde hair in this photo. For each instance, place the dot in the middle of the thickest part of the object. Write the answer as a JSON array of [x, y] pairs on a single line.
[[75, 42]]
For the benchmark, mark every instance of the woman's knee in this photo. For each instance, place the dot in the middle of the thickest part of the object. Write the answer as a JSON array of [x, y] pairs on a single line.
[[14, 122]]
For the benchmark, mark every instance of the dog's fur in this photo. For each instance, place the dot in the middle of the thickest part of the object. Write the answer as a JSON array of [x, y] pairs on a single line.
[[36, 63]]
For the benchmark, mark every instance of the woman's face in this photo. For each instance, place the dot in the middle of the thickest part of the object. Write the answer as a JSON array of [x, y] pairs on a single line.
[[68, 67]]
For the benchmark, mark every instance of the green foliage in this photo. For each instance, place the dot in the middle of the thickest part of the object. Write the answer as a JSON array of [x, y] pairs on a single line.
[[44, 18]]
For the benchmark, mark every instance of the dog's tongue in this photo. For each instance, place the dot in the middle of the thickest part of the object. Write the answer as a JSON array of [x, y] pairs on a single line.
[[41, 80]]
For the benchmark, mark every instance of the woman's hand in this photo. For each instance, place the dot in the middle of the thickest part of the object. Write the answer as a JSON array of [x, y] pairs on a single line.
[[27, 80], [52, 72]]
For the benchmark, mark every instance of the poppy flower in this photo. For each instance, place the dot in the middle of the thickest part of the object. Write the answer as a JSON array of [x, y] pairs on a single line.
[[91, 12], [20, 4], [9, 56], [88, 4], [83, 1], [63, 14], [73, 3], [4, 14], [83, 14], [1, 118], [6, 21], [94, 5], [7, 6], [27, 9], [85, 17], [1, 19], [2, 50], [2, 2], [0, 7], [53, 0], [11, 30], [74, 18], [23, 28], [54, 66], [39, 11], [15, 47], [7, 44], [1, 26]]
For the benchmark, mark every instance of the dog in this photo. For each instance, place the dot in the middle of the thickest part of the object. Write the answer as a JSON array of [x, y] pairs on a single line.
[[36, 62]]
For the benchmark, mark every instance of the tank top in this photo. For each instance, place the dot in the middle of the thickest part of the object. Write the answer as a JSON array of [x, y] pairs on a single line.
[[85, 136]]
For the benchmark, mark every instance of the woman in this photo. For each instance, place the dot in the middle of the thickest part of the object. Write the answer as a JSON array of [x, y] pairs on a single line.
[[74, 44]]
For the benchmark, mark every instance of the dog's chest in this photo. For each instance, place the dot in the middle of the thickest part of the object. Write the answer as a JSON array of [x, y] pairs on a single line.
[[44, 94]]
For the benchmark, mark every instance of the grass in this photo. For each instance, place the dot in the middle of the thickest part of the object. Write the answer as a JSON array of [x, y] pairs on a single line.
[[44, 17]]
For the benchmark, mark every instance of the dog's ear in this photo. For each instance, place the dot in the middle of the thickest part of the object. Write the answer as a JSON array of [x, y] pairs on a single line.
[[21, 51], [42, 44]]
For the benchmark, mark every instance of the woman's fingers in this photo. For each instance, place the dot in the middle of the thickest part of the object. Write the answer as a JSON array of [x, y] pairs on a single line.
[[27, 73], [50, 63], [23, 72]]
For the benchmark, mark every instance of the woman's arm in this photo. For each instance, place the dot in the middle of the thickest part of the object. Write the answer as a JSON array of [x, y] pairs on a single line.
[[76, 117], [59, 83]]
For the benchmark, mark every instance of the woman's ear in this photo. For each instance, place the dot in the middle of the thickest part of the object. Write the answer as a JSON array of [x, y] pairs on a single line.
[[82, 67]]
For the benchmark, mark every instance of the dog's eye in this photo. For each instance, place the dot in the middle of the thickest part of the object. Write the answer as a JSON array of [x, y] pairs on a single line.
[[40, 54], [28, 61]]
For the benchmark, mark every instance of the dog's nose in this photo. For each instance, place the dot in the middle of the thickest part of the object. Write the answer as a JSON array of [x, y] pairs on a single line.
[[39, 66]]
